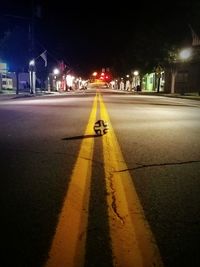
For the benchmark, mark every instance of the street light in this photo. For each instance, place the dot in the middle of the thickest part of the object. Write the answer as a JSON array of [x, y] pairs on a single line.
[[184, 55], [56, 72], [136, 79], [94, 76], [32, 62], [32, 76]]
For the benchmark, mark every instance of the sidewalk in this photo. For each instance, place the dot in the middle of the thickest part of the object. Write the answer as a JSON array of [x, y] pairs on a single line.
[[12, 95], [192, 96]]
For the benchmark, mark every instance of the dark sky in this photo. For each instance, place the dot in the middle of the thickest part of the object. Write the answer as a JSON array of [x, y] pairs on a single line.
[[92, 35]]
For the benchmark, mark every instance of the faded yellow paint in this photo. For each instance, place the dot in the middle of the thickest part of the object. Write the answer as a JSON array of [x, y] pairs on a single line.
[[133, 243], [68, 246]]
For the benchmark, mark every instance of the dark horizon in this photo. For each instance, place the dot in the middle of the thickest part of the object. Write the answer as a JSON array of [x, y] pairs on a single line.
[[90, 37]]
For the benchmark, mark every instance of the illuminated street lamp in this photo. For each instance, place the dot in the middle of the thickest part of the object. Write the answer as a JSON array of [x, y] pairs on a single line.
[[94, 76], [56, 72], [136, 79], [175, 59], [32, 76], [185, 54], [32, 62]]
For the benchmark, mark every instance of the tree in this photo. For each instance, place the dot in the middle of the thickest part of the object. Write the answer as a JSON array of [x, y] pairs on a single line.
[[171, 60]]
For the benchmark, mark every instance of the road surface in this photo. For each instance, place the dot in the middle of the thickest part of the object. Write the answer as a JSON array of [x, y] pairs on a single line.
[[127, 198]]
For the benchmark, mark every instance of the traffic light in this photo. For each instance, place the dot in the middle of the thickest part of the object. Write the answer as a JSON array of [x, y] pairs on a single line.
[[105, 76]]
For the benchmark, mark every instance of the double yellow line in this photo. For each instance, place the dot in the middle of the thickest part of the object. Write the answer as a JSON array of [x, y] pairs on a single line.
[[133, 244]]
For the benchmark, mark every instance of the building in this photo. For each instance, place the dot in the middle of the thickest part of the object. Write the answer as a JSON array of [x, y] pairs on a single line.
[[151, 81]]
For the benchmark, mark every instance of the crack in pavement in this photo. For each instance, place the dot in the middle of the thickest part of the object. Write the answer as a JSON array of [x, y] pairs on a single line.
[[114, 205], [158, 165]]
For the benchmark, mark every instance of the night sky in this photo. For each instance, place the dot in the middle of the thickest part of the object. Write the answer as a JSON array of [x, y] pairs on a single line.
[[92, 35]]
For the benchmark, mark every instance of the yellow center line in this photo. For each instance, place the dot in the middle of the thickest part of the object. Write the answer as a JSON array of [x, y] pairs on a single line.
[[133, 243], [68, 246]]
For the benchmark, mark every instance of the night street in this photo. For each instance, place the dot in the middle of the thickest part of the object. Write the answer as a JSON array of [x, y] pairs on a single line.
[[127, 198]]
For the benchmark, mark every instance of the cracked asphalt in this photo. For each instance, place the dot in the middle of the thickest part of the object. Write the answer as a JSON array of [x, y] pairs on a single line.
[[39, 141]]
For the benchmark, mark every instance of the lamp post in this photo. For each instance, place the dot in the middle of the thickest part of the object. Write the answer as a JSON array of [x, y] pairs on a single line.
[[56, 72], [158, 71], [32, 76], [184, 55], [136, 80], [94, 76]]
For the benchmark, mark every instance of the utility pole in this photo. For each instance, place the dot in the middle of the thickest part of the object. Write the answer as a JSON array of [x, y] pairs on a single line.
[[32, 76], [17, 82], [158, 74], [32, 70], [32, 28]]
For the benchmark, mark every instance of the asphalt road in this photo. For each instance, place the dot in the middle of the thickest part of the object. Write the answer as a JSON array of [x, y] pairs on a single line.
[[40, 140]]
